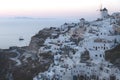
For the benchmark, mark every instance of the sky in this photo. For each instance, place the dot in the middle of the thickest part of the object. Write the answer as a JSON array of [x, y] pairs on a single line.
[[55, 8]]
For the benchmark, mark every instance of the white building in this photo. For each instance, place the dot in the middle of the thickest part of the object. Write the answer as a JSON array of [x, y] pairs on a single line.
[[104, 13], [82, 22]]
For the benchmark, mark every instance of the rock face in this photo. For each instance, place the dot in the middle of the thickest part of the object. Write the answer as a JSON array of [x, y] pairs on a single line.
[[37, 41], [21, 63], [85, 56], [28, 70], [4, 63], [113, 56], [29, 64]]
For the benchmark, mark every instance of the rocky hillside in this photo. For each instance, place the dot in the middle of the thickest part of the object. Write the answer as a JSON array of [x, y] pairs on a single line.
[[37, 40], [113, 56], [21, 63]]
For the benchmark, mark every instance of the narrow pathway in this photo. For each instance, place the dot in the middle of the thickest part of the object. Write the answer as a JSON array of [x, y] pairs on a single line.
[[18, 62]]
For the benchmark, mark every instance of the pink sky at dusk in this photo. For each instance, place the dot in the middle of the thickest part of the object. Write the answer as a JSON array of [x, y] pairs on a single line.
[[54, 8]]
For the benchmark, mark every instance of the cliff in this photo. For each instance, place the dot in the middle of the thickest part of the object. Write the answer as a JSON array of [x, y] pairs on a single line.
[[38, 40], [113, 56], [21, 63]]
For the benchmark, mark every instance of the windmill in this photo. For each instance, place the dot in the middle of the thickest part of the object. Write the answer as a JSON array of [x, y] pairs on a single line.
[[103, 11]]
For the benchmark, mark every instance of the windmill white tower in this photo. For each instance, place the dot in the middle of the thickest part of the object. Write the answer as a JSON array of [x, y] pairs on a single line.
[[103, 11]]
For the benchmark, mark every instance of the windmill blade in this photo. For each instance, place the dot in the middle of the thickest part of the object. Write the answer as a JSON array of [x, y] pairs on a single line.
[[100, 4]]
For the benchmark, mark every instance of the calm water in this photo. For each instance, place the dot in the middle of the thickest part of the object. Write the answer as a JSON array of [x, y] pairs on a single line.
[[12, 29]]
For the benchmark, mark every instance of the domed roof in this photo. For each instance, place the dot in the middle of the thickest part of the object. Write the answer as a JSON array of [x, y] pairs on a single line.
[[82, 19], [105, 9]]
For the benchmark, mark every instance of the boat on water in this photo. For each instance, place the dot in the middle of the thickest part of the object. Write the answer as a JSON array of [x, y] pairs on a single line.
[[21, 39]]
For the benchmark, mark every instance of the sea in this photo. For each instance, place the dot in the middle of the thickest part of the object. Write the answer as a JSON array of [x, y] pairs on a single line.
[[12, 29]]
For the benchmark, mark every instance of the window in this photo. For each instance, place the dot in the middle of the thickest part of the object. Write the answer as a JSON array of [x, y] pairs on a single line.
[[96, 48], [104, 48], [104, 44], [95, 55]]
